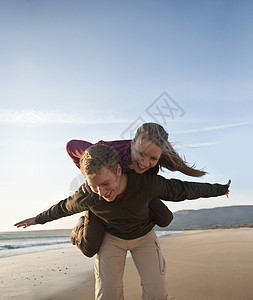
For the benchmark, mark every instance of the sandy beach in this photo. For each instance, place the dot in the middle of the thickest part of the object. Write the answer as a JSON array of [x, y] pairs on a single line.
[[201, 265]]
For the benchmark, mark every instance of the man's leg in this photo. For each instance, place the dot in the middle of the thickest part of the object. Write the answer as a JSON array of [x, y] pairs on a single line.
[[88, 234], [109, 268], [159, 213], [151, 266]]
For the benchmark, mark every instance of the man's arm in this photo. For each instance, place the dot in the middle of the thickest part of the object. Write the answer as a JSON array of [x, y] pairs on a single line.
[[177, 190], [71, 205]]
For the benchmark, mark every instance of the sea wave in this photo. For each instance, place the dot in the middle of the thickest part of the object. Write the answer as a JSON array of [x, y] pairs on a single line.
[[4, 247], [164, 233], [30, 237]]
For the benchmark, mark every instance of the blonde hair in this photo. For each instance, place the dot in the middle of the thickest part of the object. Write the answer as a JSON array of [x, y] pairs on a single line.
[[169, 159], [98, 156]]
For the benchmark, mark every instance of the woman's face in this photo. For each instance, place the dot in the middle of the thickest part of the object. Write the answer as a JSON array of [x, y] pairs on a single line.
[[144, 155]]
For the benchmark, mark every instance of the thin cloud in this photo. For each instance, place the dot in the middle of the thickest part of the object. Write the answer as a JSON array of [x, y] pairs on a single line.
[[39, 118], [245, 123], [195, 145], [198, 145]]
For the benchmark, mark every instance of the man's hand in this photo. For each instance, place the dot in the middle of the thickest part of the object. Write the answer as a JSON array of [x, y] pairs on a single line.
[[86, 188], [228, 184], [26, 223]]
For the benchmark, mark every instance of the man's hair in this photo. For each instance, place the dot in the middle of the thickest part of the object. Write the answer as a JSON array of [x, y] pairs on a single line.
[[98, 156]]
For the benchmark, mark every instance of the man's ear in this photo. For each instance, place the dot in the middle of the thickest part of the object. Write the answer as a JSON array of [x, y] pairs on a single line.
[[119, 170]]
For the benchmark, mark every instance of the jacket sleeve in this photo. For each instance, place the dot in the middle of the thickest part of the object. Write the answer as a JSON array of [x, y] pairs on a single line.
[[176, 190], [71, 205], [75, 149]]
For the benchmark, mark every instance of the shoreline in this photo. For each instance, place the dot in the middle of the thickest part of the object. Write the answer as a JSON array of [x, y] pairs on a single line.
[[214, 264], [25, 242]]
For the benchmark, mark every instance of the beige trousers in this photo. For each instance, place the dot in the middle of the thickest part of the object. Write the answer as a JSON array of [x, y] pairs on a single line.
[[147, 256]]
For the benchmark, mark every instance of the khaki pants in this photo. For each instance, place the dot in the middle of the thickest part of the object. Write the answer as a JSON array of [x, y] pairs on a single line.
[[147, 256]]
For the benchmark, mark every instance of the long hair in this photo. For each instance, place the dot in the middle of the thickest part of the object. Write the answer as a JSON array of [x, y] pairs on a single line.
[[169, 159]]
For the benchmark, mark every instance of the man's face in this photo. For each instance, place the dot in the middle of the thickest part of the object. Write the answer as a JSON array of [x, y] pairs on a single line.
[[105, 183]]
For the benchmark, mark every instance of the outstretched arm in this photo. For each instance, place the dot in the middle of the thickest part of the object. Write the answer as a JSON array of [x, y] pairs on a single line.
[[177, 190], [64, 208]]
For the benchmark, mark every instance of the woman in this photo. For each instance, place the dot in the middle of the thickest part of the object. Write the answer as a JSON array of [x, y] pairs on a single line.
[[147, 152]]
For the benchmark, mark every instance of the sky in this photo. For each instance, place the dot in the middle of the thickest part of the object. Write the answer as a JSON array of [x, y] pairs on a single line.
[[95, 70]]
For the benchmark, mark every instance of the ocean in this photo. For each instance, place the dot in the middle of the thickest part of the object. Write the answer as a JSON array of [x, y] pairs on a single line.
[[22, 242]]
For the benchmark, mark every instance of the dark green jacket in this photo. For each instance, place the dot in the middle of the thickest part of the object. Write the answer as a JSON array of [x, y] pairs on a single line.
[[128, 217]]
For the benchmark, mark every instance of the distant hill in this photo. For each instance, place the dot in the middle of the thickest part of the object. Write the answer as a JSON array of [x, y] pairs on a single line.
[[219, 217]]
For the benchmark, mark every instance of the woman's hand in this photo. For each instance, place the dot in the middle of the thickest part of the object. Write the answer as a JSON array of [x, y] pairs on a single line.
[[86, 188], [26, 223], [228, 185]]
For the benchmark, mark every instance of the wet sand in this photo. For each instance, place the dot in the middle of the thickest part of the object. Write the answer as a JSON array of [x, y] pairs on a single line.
[[201, 265]]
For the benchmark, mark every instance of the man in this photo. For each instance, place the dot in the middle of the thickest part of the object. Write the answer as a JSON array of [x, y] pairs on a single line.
[[121, 201]]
